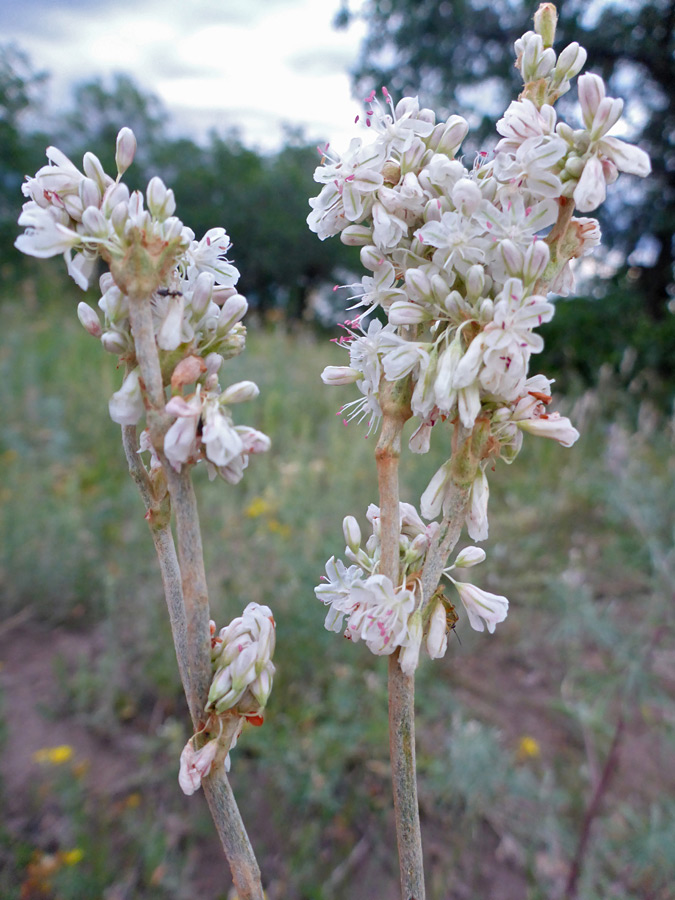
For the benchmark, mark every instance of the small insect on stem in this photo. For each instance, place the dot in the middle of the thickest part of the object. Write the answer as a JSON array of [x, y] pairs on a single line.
[[167, 292], [451, 616]]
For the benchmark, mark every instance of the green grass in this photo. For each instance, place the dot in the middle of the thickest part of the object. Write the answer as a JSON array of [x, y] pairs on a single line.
[[580, 542]]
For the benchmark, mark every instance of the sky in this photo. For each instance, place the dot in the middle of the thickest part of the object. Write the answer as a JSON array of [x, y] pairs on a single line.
[[251, 64]]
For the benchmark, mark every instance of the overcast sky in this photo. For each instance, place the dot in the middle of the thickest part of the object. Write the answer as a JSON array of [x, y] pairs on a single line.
[[254, 64]]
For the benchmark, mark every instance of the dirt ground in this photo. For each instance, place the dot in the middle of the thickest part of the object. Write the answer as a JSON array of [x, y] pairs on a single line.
[[512, 693]]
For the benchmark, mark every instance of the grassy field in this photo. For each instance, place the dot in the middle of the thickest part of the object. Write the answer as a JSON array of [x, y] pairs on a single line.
[[548, 741]]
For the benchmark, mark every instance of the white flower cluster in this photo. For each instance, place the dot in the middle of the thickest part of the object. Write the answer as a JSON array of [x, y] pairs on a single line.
[[241, 657], [242, 663], [460, 262], [196, 312], [466, 257], [386, 616]]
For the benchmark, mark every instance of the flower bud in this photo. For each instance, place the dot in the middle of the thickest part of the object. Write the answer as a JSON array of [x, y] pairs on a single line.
[[125, 149], [406, 312], [233, 310], [418, 284], [512, 257], [114, 194], [213, 363], [126, 405], [89, 319], [195, 765], [202, 293], [94, 170], [221, 293], [119, 217], [371, 258], [417, 548], [606, 116], [574, 165], [545, 21], [352, 533], [570, 62], [356, 236], [591, 90], [410, 653], [437, 637], [187, 371], [89, 193], [261, 687], [340, 375], [475, 282], [105, 282], [172, 228], [240, 392], [114, 342], [94, 223], [466, 196], [447, 136], [469, 556], [535, 262], [160, 199]]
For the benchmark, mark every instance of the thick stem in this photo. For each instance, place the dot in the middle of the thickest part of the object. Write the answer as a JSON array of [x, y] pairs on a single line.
[[158, 518], [184, 580], [233, 836], [396, 411], [193, 577], [404, 780]]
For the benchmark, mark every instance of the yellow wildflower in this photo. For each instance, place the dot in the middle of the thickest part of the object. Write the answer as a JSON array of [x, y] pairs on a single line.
[[54, 756], [257, 507], [72, 857], [528, 748], [133, 800]]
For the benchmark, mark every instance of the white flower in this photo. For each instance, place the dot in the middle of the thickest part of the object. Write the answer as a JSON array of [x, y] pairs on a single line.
[[126, 405], [208, 255], [380, 614], [221, 441], [523, 120], [460, 240], [530, 167], [410, 652], [47, 233], [398, 128], [337, 591], [180, 441], [195, 765], [482, 606], [499, 355], [437, 634], [243, 668]]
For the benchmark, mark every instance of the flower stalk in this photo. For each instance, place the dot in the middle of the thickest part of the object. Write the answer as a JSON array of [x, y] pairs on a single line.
[[172, 316], [460, 261], [396, 410]]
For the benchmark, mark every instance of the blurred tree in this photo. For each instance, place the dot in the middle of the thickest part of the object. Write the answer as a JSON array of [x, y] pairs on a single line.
[[20, 93], [458, 56], [260, 199], [97, 114], [262, 202]]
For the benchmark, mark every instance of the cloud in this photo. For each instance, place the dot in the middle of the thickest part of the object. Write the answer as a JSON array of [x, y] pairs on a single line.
[[321, 61]]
